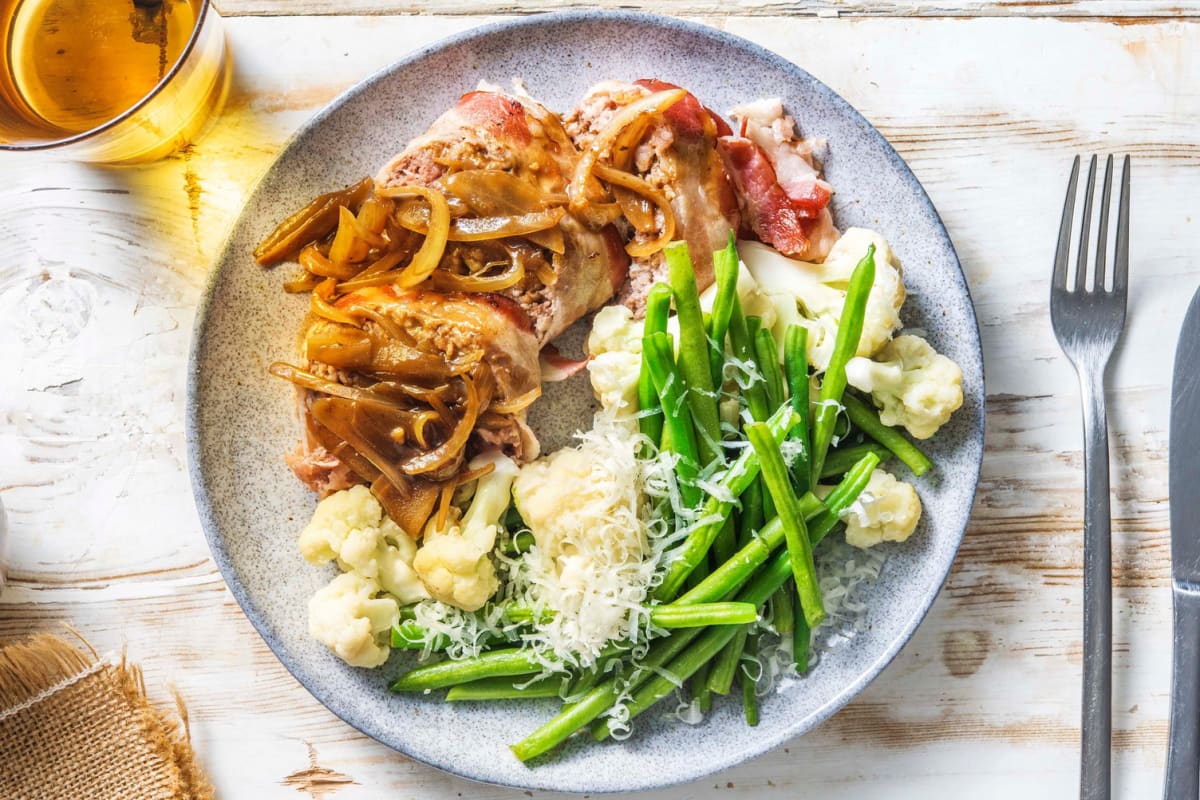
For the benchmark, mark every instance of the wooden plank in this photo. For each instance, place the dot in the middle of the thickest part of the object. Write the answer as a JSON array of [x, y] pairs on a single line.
[[1119, 11], [103, 270]]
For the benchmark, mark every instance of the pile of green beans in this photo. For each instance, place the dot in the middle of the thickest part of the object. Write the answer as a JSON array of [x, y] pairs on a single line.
[[749, 544]]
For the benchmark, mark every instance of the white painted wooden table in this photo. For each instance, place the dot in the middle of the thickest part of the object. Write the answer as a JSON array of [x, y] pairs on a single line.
[[101, 270]]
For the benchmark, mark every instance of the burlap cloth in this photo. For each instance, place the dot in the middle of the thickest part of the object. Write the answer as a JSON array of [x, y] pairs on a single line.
[[74, 726]]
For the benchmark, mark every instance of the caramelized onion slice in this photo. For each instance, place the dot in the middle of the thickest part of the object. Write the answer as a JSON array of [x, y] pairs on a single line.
[[482, 229], [655, 103], [305, 283], [321, 306], [633, 183], [339, 346], [450, 450], [315, 383], [409, 507], [312, 260], [552, 239], [426, 259], [448, 281], [336, 414], [494, 192], [348, 244], [310, 223], [517, 404]]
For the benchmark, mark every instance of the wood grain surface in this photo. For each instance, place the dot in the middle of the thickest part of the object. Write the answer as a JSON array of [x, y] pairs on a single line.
[[1115, 10], [103, 268]]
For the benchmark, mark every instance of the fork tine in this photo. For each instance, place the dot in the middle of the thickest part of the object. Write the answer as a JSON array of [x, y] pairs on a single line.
[[1085, 228], [1062, 253], [1102, 236], [1121, 261]]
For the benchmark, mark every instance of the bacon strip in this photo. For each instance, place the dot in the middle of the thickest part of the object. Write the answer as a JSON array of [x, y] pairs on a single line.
[[784, 221]]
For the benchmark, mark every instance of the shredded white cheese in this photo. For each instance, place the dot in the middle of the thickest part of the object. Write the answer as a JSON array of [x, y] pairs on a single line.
[[592, 563]]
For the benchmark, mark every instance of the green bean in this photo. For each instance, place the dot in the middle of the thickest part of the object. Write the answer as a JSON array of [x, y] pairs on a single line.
[[694, 363], [783, 610], [750, 686], [658, 308], [708, 644], [698, 684], [735, 480], [849, 331], [795, 360], [677, 419], [511, 661], [725, 270], [600, 699], [725, 545], [824, 515], [769, 510], [724, 666], [520, 542], [767, 355], [801, 644], [702, 615], [867, 420], [753, 326], [838, 462], [751, 519], [502, 688], [743, 350], [411, 636], [795, 533], [747, 559]]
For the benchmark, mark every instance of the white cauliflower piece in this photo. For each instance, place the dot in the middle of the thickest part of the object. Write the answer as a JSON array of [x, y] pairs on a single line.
[[812, 295], [569, 503], [913, 385], [350, 526], [349, 618], [614, 348], [455, 563], [888, 510], [614, 330]]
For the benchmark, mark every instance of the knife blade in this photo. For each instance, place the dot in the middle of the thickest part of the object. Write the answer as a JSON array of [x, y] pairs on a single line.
[[1183, 749]]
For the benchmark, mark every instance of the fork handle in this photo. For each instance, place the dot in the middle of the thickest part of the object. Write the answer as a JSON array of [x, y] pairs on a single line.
[[1095, 764], [1183, 752]]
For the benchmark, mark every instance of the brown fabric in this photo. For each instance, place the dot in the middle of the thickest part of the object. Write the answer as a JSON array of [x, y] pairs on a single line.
[[74, 726]]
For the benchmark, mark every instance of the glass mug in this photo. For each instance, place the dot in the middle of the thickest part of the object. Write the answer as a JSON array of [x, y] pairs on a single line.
[[109, 81]]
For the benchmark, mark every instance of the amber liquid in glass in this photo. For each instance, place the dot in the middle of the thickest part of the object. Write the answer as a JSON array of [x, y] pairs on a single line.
[[77, 64]]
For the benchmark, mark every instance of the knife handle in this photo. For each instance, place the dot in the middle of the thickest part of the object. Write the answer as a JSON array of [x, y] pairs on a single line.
[[1183, 751]]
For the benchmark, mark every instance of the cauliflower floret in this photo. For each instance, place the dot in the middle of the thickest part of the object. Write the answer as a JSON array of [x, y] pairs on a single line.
[[614, 348], [569, 501], [350, 526], [812, 295], [913, 385], [456, 570], [455, 563], [347, 617], [614, 330], [888, 510]]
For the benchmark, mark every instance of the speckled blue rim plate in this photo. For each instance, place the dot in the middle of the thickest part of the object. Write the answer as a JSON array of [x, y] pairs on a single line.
[[240, 421]]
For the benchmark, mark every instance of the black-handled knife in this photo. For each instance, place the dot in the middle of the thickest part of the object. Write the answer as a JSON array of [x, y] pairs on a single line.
[[1183, 753]]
